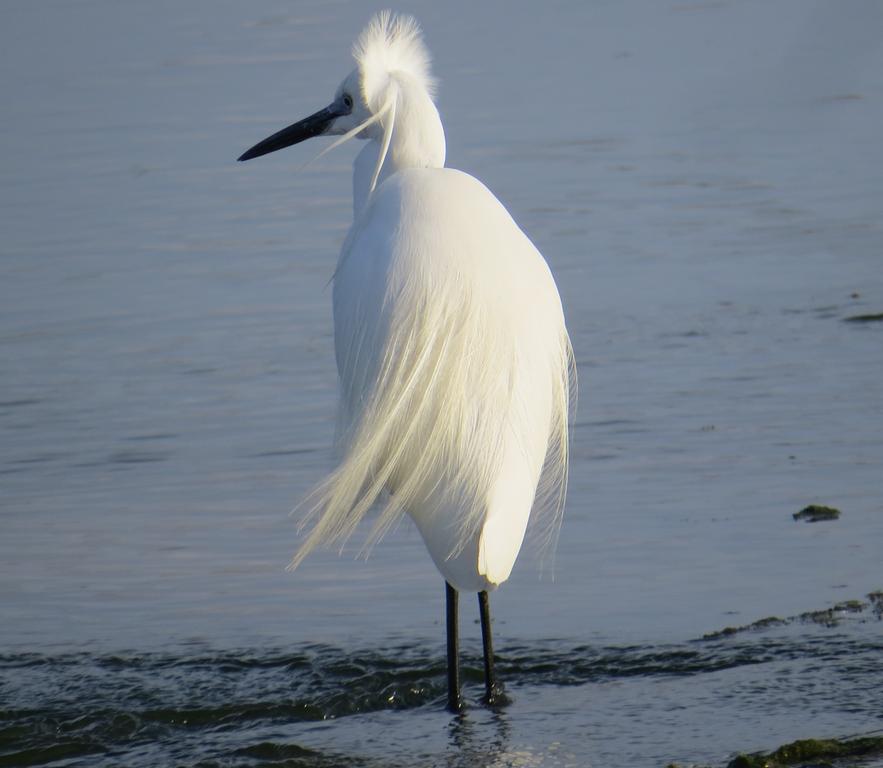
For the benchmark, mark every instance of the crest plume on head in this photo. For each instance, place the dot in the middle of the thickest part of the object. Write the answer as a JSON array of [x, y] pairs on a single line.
[[391, 43]]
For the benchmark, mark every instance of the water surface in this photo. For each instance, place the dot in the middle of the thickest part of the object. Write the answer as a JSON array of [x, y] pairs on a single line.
[[705, 180]]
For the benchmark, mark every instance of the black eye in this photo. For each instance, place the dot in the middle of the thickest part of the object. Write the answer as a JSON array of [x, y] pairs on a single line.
[[347, 101]]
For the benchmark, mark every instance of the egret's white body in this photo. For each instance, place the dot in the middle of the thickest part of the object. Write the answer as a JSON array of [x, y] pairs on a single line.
[[454, 361], [449, 340]]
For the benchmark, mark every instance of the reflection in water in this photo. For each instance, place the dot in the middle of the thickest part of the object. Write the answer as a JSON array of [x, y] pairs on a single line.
[[485, 746]]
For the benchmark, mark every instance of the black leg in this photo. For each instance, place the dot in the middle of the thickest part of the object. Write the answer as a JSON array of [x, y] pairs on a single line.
[[493, 691], [455, 703]]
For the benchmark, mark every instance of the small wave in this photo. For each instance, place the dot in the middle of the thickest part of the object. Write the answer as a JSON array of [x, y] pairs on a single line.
[[149, 708]]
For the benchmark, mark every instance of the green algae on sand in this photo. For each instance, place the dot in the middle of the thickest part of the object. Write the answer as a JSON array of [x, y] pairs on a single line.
[[811, 753], [826, 617], [816, 752], [816, 512]]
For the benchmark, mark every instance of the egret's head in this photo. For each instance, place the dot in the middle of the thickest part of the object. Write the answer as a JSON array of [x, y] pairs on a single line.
[[392, 75], [351, 105]]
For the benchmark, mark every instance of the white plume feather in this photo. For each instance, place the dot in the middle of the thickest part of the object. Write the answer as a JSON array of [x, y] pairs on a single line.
[[391, 43]]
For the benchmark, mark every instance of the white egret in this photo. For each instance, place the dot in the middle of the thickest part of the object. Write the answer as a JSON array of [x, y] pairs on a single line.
[[455, 365]]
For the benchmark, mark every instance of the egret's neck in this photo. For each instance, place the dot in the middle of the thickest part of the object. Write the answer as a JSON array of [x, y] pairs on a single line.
[[417, 141]]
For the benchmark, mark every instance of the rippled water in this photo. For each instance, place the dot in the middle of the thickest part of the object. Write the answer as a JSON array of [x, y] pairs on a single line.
[[325, 705], [706, 180]]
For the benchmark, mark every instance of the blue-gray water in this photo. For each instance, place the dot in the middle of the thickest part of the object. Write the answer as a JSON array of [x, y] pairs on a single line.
[[706, 181]]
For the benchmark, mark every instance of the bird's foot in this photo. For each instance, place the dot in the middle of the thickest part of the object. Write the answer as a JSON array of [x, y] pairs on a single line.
[[496, 697], [455, 705]]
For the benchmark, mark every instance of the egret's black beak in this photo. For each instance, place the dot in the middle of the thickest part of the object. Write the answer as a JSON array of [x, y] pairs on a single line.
[[314, 125]]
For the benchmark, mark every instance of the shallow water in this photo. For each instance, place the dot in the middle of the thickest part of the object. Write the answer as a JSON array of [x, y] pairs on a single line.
[[706, 181], [325, 705]]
